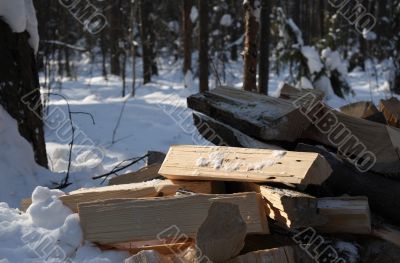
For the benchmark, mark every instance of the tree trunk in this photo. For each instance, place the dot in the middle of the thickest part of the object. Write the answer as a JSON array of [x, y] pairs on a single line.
[[145, 7], [187, 36], [114, 30], [19, 92], [263, 70], [250, 46], [203, 45]]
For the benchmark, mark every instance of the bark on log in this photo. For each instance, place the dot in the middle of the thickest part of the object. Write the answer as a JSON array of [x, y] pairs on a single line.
[[261, 117], [345, 179], [19, 88]]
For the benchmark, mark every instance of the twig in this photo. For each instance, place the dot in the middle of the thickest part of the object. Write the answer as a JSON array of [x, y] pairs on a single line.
[[215, 71], [119, 119], [117, 168], [64, 183]]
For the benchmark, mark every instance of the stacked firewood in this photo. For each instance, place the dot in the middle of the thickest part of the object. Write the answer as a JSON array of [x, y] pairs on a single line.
[[276, 188]]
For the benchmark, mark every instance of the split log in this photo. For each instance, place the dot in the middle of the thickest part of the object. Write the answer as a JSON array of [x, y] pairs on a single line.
[[129, 220], [275, 255], [391, 110], [138, 190], [144, 174], [387, 232], [364, 110], [374, 145], [259, 116], [186, 162], [222, 235], [345, 215], [177, 247], [148, 256], [345, 179], [154, 157], [221, 134], [291, 209], [291, 93]]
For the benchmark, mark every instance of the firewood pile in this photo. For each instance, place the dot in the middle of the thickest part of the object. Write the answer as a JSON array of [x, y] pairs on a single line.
[[285, 184]]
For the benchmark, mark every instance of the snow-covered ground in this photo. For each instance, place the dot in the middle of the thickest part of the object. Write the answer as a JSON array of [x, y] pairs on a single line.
[[154, 119]]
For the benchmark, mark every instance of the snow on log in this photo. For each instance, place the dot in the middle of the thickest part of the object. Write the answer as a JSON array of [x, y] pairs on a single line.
[[259, 116]]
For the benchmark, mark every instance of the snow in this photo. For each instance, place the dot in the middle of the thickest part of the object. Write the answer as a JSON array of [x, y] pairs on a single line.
[[333, 61], [276, 155], [296, 30], [226, 20], [47, 205], [369, 35], [19, 172], [324, 84], [305, 83], [313, 59], [194, 14], [20, 15], [52, 236]]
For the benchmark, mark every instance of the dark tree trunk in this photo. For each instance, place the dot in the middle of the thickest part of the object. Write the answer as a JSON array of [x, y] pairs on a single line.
[[250, 47], [114, 30], [145, 9], [187, 36], [203, 45], [263, 70], [19, 90]]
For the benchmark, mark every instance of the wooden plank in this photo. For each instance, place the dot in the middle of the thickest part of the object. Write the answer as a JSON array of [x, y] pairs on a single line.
[[291, 209], [144, 174], [129, 220], [345, 215], [259, 116], [137, 190], [275, 255], [187, 162], [364, 110], [391, 110]]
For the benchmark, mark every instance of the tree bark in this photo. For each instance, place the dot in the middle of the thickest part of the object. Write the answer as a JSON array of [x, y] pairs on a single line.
[[187, 36], [146, 40], [250, 46], [203, 45], [263, 70], [114, 30], [19, 90]]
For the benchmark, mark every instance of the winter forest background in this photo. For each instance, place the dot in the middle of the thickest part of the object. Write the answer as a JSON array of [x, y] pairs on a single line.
[[100, 83]]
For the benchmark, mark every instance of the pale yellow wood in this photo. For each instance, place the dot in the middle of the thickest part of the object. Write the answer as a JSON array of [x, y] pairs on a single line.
[[148, 256], [129, 220], [186, 162], [289, 208], [147, 173], [274, 255], [24, 204], [136, 190], [222, 235], [345, 215]]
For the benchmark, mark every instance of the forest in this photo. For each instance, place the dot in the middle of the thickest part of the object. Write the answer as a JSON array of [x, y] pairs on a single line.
[[200, 131]]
